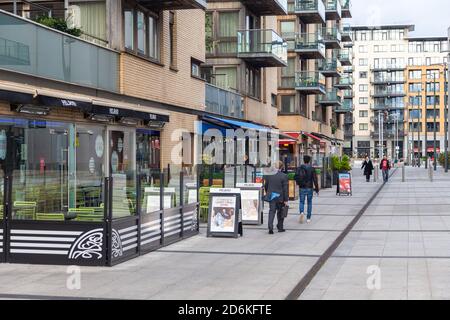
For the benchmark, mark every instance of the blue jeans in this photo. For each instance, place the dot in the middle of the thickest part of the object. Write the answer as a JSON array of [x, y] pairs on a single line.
[[303, 194]]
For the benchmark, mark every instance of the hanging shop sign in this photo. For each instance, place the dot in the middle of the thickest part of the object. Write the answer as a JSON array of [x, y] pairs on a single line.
[[344, 184], [3, 144], [224, 219], [128, 113], [251, 203], [64, 103]]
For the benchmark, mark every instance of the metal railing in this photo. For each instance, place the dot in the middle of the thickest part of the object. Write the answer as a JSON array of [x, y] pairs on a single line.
[[259, 41]]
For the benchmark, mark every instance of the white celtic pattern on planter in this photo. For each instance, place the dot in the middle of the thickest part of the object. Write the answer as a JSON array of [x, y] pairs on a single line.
[[88, 245], [117, 250], [194, 221]]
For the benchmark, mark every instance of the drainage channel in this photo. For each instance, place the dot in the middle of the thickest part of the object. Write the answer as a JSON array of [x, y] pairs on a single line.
[[309, 276]]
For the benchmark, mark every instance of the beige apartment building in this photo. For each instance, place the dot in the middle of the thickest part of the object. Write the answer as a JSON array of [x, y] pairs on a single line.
[[388, 59], [311, 89]]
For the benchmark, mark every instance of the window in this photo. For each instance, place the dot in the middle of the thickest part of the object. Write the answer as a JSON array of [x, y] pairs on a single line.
[[227, 32], [172, 39], [226, 78], [363, 113], [129, 29], [363, 88], [363, 75], [274, 100], [287, 29], [363, 100], [288, 74], [363, 126], [363, 49], [195, 68], [253, 82], [141, 33], [432, 74], [431, 100], [363, 62], [415, 87], [431, 87], [363, 36], [415, 74], [288, 104], [430, 114]]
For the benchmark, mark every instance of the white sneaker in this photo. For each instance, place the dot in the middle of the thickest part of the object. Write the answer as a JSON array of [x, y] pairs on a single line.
[[308, 220], [302, 218]]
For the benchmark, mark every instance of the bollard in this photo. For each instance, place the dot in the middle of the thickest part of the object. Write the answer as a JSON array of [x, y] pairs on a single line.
[[403, 173], [375, 176], [430, 171]]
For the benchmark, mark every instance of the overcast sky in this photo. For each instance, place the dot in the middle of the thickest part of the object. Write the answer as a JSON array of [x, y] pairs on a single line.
[[431, 17]]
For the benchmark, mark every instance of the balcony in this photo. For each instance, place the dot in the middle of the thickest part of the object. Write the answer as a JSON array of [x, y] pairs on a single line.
[[262, 48], [349, 133], [344, 83], [29, 48], [158, 5], [346, 106], [348, 94], [389, 119], [332, 38], [385, 107], [345, 57], [310, 11], [348, 69], [330, 98], [346, 9], [386, 80], [388, 93], [310, 82], [388, 67], [388, 133], [310, 46], [347, 35], [349, 119], [267, 7], [333, 10], [329, 68], [224, 102]]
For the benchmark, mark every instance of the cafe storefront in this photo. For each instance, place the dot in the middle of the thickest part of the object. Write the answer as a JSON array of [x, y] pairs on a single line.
[[82, 183]]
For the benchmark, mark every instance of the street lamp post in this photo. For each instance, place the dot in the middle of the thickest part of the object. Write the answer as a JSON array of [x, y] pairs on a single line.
[[434, 124], [426, 122], [445, 117], [419, 126]]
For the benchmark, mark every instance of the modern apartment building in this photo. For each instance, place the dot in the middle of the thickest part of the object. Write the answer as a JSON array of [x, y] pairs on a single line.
[[384, 56], [426, 101], [243, 54], [88, 126], [311, 89]]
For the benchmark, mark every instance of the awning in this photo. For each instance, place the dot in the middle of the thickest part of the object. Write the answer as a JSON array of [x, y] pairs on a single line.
[[429, 150], [50, 101], [236, 123], [311, 136], [98, 108], [16, 97]]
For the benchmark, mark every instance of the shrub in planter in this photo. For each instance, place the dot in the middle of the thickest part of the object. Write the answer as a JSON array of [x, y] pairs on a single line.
[[441, 158], [58, 24], [345, 164]]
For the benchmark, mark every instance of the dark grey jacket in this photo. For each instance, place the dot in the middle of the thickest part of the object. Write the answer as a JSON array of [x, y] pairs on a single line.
[[277, 183], [310, 178]]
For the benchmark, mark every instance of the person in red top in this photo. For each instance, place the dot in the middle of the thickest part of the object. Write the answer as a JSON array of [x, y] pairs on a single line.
[[385, 166]]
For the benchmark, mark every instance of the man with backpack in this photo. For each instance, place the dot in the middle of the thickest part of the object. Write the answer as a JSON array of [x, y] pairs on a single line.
[[306, 179]]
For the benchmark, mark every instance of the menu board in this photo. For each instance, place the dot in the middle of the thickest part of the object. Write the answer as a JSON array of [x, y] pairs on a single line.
[[223, 216], [345, 184]]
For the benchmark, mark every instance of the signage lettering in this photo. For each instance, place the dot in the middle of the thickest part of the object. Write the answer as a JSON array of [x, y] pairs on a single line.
[[68, 103], [114, 111]]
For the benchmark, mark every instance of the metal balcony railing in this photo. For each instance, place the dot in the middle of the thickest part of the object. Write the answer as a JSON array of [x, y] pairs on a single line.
[[264, 45], [224, 102]]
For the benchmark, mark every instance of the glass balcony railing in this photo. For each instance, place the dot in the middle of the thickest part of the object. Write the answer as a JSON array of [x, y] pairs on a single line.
[[345, 56], [310, 43], [348, 94], [224, 102], [328, 66], [331, 34], [30, 48], [346, 9], [310, 10], [334, 8], [389, 66], [387, 79], [262, 46], [330, 97], [345, 82], [387, 92], [347, 33], [386, 106], [305, 80]]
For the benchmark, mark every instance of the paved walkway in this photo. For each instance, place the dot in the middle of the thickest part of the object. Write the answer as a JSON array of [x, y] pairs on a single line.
[[401, 245], [405, 232]]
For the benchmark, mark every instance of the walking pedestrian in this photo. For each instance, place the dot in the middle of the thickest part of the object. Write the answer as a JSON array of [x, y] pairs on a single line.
[[385, 166], [306, 179], [368, 168], [276, 187]]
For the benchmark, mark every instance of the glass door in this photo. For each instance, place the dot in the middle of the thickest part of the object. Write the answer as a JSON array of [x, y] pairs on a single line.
[[122, 170]]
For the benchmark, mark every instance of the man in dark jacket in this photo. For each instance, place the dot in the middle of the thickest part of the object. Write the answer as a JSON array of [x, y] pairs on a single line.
[[306, 179], [276, 187]]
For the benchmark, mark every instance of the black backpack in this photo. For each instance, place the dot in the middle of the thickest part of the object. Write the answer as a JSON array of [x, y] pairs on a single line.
[[300, 176]]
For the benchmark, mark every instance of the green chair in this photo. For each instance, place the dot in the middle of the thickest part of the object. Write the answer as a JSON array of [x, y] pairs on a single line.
[[204, 203], [24, 210], [50, 217], [90, 217], [88, 214], [1, 212]]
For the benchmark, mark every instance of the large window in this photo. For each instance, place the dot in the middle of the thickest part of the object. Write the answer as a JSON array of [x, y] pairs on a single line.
[[227, 32], [288, 74], [141, 33], [288, 105], [253, 82], [226, 78]]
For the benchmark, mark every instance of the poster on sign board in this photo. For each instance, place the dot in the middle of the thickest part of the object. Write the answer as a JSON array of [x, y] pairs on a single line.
[[345, 184]]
